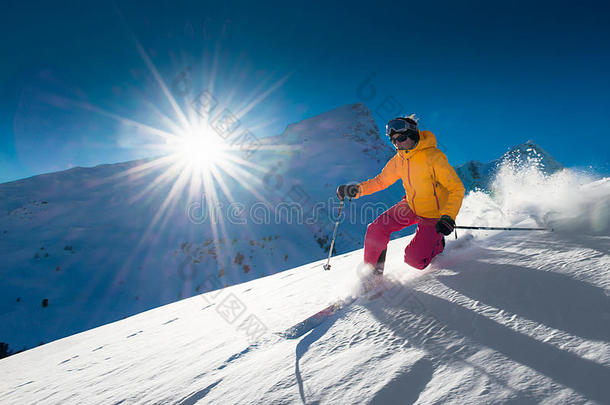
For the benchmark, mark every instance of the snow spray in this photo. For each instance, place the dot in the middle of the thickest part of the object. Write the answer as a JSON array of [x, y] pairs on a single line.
[[567, 201]]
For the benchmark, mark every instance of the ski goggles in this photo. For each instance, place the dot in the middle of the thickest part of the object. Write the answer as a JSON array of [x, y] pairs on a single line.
[[399, 126]]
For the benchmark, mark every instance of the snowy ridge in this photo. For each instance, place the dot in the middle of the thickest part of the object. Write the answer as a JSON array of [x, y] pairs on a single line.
[[499, 317]]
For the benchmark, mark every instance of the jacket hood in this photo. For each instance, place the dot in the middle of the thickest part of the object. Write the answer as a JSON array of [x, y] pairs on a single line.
[[426, 140]]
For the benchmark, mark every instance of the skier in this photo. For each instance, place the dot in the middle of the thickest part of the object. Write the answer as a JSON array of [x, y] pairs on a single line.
[[433, 197]]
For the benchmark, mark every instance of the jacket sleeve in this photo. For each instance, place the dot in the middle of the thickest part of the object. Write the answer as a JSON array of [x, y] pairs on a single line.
[[448, 178], [383, 180]]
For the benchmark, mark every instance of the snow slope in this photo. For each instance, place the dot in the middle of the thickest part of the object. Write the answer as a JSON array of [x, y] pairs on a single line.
[[499, 317]]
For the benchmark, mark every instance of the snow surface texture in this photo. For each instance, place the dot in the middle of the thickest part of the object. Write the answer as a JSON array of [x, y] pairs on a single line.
[[499, 317]]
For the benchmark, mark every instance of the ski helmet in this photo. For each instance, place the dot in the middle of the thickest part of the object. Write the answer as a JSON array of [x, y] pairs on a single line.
[[403, 125]]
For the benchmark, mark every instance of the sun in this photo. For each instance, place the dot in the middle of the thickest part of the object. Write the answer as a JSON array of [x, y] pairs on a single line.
[[199, 150]]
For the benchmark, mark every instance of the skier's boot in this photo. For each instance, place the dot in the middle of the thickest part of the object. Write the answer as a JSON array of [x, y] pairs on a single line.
[[380, 263]]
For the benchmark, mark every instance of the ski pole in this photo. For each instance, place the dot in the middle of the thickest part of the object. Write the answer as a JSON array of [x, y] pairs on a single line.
[[490, 228], [332, 243]]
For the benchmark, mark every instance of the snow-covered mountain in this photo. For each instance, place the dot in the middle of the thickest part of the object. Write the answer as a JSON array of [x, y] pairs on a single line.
[[477, 175], [87, 246], [499, 317]]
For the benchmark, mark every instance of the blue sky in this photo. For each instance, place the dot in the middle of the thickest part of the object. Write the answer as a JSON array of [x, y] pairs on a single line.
[[482, 76]]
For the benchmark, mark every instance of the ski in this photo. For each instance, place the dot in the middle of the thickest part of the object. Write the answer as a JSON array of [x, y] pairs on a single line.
[[301, 328]]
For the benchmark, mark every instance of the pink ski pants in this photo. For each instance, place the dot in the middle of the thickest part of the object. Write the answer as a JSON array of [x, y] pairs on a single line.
[[419, 252]]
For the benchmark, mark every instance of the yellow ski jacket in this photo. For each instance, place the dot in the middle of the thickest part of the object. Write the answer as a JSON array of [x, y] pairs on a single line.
[[432, 186]]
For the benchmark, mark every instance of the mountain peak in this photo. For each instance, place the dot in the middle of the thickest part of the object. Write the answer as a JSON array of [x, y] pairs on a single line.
[[475, 174], [338, 118], [352, 122], [531, 153], [529, 144]]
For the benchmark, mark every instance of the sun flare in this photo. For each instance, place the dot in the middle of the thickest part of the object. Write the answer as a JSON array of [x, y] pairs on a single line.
[[197, 164], [200, 150]]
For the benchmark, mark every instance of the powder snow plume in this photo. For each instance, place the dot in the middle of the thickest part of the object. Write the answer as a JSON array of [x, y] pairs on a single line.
[[567, 201]]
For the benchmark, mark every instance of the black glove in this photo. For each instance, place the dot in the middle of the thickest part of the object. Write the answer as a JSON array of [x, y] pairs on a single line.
[[445, 225], [347, 190]]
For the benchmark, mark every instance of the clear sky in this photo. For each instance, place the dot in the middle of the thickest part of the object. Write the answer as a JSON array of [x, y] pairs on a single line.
[[483, 76]]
